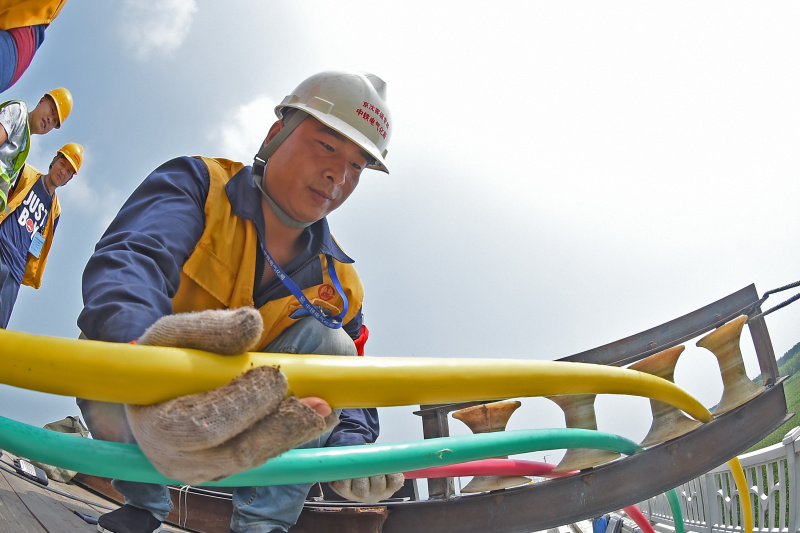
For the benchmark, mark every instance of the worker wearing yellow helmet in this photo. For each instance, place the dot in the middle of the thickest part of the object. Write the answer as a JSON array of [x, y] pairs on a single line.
[[17, 124], [28, 224]]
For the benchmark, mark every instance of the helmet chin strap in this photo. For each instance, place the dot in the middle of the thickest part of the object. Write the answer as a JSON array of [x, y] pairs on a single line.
[[260, 169], [281, 214]]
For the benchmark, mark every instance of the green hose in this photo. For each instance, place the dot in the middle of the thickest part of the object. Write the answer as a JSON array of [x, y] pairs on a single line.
[[126, 461]]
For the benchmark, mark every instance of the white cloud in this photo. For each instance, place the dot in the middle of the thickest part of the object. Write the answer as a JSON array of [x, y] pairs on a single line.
[[99, 205], [239, 137], [151, 26]]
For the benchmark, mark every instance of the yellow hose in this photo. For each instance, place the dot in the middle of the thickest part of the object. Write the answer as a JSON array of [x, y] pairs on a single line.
[[744, 493], [137, 374]]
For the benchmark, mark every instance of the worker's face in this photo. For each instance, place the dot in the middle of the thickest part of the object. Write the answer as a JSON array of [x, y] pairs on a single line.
[[313, 171], [60, 173], [44, 116]]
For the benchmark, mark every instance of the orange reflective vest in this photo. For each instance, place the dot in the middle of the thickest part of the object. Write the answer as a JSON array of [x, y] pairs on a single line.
[[220, 272], [34, 268], [20, 13]]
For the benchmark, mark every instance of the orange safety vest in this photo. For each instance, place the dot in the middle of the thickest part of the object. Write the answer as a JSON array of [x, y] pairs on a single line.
[[21, 13], [34, 268], [220, 272]]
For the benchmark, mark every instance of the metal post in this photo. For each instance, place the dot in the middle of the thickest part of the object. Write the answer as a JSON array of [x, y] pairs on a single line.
[[435, 424], [764, 351], [791, 445], [710, 502]]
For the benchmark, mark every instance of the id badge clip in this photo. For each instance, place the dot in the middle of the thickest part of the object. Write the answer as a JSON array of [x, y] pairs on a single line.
[[36, 244]]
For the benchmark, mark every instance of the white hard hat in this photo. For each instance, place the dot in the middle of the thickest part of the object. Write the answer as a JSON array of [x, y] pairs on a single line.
[[352, 104], [349, 103]]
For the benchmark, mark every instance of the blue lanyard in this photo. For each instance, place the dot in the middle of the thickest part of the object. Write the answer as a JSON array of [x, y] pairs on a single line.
[[331, 322]]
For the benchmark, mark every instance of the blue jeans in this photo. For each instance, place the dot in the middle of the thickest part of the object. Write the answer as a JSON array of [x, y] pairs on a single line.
[[9, 289], [255, 509]]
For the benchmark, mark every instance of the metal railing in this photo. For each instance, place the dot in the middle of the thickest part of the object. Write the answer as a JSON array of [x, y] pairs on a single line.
[[710, 503]]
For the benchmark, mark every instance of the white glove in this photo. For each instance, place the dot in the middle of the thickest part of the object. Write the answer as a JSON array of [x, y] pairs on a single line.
[[368, 490], [215, 434]]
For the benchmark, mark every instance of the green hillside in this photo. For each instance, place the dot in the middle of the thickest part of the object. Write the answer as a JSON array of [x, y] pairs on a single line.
[[788, 365]]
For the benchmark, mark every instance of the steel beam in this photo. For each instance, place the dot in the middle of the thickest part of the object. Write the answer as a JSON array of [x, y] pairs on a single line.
[[434, 425], [605, 488], [672, 333]]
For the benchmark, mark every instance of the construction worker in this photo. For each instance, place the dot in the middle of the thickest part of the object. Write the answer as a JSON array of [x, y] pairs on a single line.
[[16, 127], [22, 30], [28, 224], [204, 247]]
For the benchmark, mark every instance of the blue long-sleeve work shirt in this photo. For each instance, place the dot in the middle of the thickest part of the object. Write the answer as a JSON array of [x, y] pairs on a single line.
[[135, 270]]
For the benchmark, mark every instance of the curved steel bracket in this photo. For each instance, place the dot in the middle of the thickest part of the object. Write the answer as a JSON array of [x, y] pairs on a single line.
[[602, 489]]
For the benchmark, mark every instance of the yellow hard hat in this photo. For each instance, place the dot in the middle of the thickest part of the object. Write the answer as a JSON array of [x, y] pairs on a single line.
[[73, 152], [63, 100]]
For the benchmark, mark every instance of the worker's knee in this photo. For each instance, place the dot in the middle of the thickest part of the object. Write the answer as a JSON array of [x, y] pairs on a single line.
[[309, 336]]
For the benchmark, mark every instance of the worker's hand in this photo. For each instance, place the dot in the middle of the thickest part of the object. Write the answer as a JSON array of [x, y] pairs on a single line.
[[224, 331], [215, 434], [368, 490]]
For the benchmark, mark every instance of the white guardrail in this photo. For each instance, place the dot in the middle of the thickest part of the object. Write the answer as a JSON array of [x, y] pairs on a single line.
[[710, 503]]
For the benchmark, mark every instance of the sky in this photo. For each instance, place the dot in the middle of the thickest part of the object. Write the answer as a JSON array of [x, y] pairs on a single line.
[[563, 174]]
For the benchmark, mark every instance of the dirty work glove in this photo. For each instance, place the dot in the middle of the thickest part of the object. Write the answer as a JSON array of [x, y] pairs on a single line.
[[368, 490], [212, 435]]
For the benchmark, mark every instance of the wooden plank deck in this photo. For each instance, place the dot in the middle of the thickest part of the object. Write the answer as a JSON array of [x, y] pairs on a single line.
[[28, 507]]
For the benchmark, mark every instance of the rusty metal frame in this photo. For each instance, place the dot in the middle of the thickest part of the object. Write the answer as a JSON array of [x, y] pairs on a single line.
[[762, 418], [631, 349], [605, 488]]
